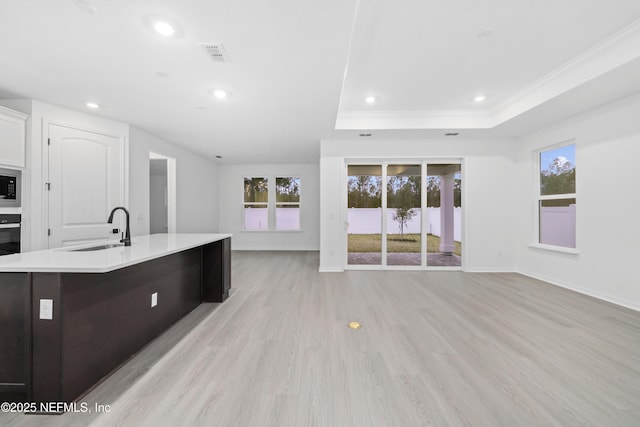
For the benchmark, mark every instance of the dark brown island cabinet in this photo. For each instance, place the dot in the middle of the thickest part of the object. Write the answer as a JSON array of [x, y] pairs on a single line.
[[70, 316]]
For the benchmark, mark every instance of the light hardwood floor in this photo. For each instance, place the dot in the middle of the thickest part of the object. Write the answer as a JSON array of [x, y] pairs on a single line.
[[435, 348]]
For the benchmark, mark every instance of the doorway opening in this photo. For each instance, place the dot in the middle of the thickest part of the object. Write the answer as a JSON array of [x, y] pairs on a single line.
[[404, 215], [162, 194]]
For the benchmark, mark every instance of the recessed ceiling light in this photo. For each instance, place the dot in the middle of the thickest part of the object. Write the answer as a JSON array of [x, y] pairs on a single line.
[[162, 74], [452, 134], [200, 107], [220, 94], [163, 28], [92, 105], [479, 98], [370, 99], [365, 134], [218, 157], [163, 25]]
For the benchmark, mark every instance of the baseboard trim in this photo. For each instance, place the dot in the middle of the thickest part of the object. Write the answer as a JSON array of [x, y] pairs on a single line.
[[289, 249], [330, 270], [490, 270], [597, 295]]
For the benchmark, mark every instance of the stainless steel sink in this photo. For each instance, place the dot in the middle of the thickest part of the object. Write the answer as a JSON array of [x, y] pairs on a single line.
[[97, 248]]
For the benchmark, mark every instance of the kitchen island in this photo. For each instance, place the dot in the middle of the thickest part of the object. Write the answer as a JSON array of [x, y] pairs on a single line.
[[70, 316]]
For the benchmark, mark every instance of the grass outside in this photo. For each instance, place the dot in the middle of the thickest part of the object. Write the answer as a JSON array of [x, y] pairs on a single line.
[[396, 243]]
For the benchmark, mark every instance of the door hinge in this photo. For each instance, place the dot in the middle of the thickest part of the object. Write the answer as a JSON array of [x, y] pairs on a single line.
[[48, 184], [48, 141], [48, 232]]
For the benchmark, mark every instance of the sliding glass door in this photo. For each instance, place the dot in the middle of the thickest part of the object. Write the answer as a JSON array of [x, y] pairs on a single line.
[[364, 214], [444, 215], [404, 230], [404, 215]]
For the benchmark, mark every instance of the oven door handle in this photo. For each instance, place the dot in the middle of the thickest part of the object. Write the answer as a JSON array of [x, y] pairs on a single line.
[[12, 225]]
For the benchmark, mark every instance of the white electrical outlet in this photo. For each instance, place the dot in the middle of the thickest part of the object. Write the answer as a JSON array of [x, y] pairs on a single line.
[[46, 309], [154, 299]]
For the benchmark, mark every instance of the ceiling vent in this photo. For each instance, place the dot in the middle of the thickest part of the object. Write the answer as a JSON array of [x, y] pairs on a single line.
[[216, 51]]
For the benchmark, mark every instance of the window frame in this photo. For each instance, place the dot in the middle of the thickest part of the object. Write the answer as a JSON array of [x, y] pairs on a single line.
[[277, 203], [539, 197], [266, 204], [272, 203]]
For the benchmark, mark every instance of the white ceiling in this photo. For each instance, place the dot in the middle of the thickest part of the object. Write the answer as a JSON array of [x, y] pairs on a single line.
[[300, 70]]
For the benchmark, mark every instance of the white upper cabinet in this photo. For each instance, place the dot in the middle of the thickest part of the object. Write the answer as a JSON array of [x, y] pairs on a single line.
[[12, 137]]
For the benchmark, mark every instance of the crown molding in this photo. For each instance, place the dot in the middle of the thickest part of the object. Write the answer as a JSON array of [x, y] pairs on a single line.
[[613, 52], [13, 113]]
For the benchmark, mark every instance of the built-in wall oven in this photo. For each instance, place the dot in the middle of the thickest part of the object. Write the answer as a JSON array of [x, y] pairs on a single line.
[[9, 234], [10, 188]]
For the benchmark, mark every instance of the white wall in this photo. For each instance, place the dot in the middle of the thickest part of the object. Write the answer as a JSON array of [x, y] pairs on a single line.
[[196, 181], [231, 185], [607, 152], [33, 209], [487, 194]]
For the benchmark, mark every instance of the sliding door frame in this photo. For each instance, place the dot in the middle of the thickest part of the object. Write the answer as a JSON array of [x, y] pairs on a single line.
[[384, 162]]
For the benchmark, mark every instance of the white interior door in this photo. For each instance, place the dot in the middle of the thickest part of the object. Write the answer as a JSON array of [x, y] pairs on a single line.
[[86, 181]]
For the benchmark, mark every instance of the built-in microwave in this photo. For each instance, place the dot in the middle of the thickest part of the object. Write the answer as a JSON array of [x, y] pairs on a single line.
[[10, 188]]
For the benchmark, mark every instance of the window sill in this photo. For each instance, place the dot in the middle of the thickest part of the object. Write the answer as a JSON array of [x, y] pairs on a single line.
[[271, 231], [552, 248]]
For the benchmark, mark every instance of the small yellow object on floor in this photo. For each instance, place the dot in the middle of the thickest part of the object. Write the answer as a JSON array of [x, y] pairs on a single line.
[[355, 325]]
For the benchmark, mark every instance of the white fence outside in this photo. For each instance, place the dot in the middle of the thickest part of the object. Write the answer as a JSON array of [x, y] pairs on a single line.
[[558, 226], [258, 219], [367, 221]]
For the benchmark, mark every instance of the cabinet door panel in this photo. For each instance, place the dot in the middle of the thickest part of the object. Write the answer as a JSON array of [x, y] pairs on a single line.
[[12, 131], [15, 315]]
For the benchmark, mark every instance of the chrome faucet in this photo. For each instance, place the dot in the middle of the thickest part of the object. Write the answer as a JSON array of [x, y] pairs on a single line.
[[127, 235]]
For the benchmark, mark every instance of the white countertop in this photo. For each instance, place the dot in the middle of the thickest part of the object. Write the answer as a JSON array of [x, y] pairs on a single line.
[[143, 248]]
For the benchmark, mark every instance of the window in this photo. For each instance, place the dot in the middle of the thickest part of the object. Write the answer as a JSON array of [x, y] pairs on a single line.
[[288, 203], [256, 203], [271, 203], [556, 204]]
